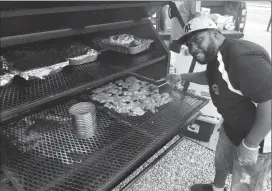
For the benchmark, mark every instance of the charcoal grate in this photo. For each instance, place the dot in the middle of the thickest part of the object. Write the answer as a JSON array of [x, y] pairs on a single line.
[[20, 96]]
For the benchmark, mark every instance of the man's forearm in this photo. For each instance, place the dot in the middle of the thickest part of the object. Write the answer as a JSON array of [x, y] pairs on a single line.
[[262, 125], [196, 77]]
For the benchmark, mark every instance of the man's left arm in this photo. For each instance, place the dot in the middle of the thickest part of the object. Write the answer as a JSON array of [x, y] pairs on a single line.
[[253, 77], [261, 127]]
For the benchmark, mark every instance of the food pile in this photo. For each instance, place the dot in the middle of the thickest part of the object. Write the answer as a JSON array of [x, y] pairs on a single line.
[[126, 40], [78, 53], [39, 62], [42, 60], [131, 96]]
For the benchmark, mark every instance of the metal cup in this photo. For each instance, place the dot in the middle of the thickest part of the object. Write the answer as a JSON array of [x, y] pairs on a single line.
[[83, 119]]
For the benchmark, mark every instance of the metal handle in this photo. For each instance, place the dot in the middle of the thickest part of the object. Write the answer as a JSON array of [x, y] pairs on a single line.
[[173, 12], [162, 85]]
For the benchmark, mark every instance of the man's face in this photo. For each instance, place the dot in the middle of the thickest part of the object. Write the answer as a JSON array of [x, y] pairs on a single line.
[[202, 46]]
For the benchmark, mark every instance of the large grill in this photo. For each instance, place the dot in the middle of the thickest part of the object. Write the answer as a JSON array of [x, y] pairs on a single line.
[[39, 149]]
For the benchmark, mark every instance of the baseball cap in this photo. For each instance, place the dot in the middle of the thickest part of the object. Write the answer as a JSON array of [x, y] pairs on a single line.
[[194, 25]]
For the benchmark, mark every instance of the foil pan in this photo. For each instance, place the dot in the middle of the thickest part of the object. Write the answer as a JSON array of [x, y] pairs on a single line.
[[41, 73], [90, 56], [31, 63], [135, 46]]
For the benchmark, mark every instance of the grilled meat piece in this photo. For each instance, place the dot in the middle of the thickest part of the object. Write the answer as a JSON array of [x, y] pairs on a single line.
[[74, 49]]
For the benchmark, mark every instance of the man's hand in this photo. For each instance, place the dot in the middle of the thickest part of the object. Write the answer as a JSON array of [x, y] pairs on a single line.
[[246, 155], [173, 79]]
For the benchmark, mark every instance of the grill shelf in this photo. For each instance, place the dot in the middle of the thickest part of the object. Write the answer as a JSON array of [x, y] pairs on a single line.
[[57, 160], [17, 98]]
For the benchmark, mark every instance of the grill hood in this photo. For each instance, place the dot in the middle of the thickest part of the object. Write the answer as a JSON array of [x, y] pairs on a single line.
[[24, 18]]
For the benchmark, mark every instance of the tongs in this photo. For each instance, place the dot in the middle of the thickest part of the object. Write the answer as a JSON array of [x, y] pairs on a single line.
[[161, 82]]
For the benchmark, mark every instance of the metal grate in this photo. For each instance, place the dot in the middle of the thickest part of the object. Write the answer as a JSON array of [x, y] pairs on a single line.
[[57, 152], [57, 160], [18, 97], [174, 113], [94, 175]]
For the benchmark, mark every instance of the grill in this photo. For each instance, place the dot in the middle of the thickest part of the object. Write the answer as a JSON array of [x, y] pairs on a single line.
[[39, 148]]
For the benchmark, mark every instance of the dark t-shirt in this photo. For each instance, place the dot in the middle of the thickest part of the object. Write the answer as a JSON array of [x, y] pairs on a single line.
[[238, 79]]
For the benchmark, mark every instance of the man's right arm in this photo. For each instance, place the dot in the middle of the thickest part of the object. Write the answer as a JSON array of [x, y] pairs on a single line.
[[196, 77]]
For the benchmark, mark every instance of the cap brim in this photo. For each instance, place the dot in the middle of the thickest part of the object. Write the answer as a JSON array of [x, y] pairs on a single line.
[[182, 40]]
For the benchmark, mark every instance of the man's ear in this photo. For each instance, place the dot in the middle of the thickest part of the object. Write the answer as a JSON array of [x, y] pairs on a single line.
[[215, 34]]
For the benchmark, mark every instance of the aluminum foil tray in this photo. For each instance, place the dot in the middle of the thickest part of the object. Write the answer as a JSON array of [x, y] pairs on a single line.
[[127, 49], [35, 62]]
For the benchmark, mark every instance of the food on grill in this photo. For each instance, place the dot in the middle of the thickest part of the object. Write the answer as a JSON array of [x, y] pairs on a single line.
[[123, 39], [7, 72], [74, 49], [131, 96], [36, 63], [5, 79], [41, 73], [124, 43], [90, 56], [126, 40], [25, 59], [78, 53]]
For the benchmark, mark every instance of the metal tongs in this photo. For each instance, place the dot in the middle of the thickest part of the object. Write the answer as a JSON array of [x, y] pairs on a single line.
[[161, 82]]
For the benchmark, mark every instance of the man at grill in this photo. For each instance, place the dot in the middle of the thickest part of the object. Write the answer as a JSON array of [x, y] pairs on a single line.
[[238, 74]]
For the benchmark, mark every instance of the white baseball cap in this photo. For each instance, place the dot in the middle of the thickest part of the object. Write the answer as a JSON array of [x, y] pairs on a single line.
[[196, 24]]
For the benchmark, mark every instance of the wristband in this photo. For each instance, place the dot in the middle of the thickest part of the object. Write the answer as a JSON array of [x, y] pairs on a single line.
[[252, 149]]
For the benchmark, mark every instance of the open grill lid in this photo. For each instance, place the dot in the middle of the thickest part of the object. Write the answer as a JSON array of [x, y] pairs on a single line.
[[25, 18]]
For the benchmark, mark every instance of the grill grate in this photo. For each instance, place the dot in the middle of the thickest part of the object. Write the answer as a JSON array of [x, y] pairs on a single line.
[[19, 96], [58, 150], [98, 172], [174, 113], [57, 160]]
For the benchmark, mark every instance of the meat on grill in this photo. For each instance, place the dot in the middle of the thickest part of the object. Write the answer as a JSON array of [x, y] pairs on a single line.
[[131, 96]]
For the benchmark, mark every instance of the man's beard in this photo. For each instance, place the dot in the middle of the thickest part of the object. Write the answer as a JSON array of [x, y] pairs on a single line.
[[210, 53]]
